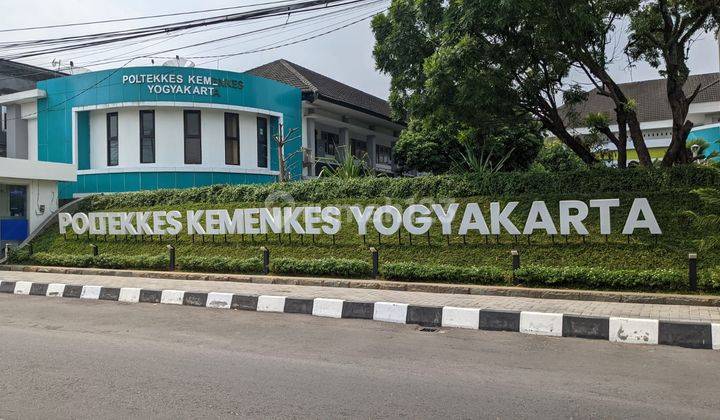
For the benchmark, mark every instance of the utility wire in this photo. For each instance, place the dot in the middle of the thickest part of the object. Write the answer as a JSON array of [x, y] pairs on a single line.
[[98, 22]]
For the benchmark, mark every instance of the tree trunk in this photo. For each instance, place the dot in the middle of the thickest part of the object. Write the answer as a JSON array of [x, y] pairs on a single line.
[[622, 141], [574, 144], [680, 105], [621, 103]]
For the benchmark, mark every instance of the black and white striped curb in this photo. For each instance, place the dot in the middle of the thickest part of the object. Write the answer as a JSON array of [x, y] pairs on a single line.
[[614, 329]]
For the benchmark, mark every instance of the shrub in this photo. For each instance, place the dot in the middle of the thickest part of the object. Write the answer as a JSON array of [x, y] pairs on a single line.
[[139, 262], [584, 181], [321, 267], [220, 264], [600, 278], [443, 273]]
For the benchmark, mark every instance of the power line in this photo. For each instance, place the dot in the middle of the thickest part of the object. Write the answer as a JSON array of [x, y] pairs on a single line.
[[98, 22]]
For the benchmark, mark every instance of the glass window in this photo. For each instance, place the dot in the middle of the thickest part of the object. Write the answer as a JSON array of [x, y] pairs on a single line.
[[193, 138], [262, 142], [358, 149], [113, 147], [232, 139], [18, 201], [147, 136], [383, 154], [327, 144]]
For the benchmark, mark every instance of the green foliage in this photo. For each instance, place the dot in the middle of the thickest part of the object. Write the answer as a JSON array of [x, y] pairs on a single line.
[[337, 267], [708, 219], [348, 166], [602, 278], [591, 181], [218, 264], [436, 273], [139, 262], [445, 87], [555, 157]]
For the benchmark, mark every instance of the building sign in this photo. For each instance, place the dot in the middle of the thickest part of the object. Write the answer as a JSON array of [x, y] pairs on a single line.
[[171, 83], [416, 219]]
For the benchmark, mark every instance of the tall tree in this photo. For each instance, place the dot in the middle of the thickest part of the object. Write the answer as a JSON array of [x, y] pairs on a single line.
[[662, 32], [454, 63]]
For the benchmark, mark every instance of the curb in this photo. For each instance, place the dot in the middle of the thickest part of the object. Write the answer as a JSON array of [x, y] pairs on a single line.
[[613, 329], [466, 289]]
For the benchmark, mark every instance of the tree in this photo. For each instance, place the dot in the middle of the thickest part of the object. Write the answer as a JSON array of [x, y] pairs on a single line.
[[450, 95], [662, 32], [282, 139], [511, 56]]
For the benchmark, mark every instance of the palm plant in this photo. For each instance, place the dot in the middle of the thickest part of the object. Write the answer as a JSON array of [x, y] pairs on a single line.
[[709, 222], [482, 163], [348, 166]]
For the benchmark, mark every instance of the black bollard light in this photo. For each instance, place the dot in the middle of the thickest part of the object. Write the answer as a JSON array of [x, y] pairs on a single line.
[[266, 260], [171, 257], [94, 249], [375, 262], [692, 271], [515, 263]]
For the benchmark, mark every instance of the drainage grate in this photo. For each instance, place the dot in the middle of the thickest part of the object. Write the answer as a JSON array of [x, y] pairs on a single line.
[[428, 329]]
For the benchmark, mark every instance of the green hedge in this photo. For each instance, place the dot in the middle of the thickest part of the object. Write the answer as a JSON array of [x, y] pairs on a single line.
[[443, 273], [599, 278], [220, 265], [338, 267], [595, 180], [138, 262], [534, 276]]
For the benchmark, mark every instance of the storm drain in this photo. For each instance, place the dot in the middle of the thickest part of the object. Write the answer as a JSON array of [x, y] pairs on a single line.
[[428, 329]]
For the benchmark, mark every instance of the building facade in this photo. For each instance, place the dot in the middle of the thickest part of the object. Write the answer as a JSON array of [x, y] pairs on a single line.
[[147, 128], [28, 184], [655, 115]]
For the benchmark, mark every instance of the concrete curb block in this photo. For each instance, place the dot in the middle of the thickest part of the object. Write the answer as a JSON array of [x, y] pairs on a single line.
[[615, 329], [537, 293]]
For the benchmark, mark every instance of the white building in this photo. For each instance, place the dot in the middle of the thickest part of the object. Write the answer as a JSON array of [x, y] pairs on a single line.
[[28, 184], [655, 115], [337, 118]]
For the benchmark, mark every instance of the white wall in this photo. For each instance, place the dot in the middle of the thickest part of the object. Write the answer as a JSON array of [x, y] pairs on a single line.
[[39, 193], [169, 139]]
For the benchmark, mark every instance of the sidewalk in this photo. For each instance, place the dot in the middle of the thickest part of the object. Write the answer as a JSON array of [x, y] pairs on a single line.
[[520, 304]]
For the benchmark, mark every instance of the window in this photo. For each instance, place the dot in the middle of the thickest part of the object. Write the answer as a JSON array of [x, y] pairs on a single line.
[[18, 201], [262, 142], [232, 139], [112, 139], [193, 141], [383, 154], [147, 136], [359, 149], [327, 144]]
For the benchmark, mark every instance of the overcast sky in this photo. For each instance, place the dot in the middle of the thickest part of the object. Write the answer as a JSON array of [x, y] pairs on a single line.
[[345, 55]]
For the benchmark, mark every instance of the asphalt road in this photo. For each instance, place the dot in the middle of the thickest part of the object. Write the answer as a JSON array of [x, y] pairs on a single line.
[[62, 358]]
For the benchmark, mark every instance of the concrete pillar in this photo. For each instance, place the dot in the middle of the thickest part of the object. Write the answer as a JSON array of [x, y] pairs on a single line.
[[345, 142], [310, 144], [371, 151], [17, 133]]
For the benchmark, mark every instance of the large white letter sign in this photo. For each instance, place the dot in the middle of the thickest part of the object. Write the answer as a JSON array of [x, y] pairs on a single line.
[[502, 218], [576, 220], [330, 217], [394, 225], [64, 220], [641, 206], [446, 218], [604, 206], [539, 208], [409, 219], [362, 217], [473, 220]]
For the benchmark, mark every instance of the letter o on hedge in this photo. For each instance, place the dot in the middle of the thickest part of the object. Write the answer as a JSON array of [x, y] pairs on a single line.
[[80, 223], [378, 220]]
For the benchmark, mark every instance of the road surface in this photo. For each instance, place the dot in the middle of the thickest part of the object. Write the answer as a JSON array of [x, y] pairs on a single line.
[[71, 358]]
